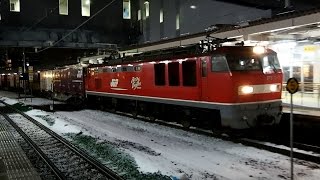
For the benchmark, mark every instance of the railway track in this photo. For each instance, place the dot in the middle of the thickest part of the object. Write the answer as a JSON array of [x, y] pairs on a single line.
[[64, 159], [301, 151]]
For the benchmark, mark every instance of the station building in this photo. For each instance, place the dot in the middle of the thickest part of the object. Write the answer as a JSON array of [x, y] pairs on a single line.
[[56, 32]]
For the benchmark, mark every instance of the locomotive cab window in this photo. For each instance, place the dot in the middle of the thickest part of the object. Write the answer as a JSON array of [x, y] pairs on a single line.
[[219, 63], [173, 70], [189, 73], [242, 63], [159, 74], [270, 63]]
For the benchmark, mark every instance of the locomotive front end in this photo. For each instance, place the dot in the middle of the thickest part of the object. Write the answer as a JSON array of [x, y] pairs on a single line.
[[259, 88], [255, 83]]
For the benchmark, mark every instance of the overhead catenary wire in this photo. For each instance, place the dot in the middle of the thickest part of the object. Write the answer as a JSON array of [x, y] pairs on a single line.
[[41, 19], [72, 31]]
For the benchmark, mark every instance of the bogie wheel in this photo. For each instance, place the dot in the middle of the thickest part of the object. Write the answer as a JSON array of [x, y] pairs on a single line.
[[134, 114], [185, 122], [151, 118], [216, 122]]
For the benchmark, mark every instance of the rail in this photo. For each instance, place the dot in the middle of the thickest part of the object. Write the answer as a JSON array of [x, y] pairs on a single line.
[[58, 174], [308, 95], [90, 160]]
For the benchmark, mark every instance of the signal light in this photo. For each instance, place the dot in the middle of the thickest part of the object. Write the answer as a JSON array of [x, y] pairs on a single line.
[[258, 50]]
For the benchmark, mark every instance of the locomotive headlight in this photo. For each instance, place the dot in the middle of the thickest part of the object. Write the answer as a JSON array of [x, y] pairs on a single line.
[[246, 89], [273, 88]]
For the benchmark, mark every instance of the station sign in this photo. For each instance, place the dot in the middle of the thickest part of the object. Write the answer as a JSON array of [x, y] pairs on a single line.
[[30, 71], [292, 85]]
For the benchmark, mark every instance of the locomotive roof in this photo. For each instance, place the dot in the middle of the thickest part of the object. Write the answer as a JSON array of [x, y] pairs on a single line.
[[177, 53]]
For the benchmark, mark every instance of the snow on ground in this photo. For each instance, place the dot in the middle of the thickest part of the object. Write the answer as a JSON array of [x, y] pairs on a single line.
[[12, 98], [175, 152], [38, 101]]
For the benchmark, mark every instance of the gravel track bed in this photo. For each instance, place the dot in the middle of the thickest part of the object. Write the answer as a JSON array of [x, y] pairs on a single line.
[[73, 166]]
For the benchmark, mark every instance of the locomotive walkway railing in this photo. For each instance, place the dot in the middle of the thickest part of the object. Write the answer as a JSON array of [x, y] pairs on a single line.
[[308, 95]]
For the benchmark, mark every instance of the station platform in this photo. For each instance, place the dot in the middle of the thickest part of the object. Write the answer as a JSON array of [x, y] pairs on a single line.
[[14, 164], [304, 104]]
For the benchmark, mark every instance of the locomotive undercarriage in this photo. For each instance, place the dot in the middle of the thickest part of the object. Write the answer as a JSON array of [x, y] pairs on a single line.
[[198, 114], [246, 116], [186, 116]]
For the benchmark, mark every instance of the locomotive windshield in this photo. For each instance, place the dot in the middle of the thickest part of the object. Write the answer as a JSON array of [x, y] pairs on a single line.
[[268, 63]]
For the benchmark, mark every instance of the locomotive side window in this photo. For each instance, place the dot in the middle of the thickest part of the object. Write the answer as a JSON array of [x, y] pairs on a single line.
[[173, 70], [219, 63], [137, 68], [203, 67], [105, 70], [100, 70], [189, 73], [159, 74]]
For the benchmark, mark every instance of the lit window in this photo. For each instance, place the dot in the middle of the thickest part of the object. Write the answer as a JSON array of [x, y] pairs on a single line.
[[139, 15], [146, 3], [85, 7], [63, 7], [15, 5], [177, 22], [126, 9], [161, 15]]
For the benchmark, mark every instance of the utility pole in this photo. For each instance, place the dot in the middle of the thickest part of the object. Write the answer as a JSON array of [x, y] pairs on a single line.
[[24, 72], [287, 4]]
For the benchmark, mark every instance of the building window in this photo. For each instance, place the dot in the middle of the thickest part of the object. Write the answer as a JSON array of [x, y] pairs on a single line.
[[161, 15], [177, 22], [85, 7], [126, 9], [15, 5], [146, 3], [63, 7], [139, 15]]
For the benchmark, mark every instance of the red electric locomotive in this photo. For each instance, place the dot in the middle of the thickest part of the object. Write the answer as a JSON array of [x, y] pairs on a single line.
[[235, 86]]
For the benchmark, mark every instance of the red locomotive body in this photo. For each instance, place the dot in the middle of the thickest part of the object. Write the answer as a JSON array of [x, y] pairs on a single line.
[[237, 87]]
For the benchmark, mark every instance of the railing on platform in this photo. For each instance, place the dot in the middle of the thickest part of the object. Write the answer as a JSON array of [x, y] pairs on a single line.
[[308, 95]]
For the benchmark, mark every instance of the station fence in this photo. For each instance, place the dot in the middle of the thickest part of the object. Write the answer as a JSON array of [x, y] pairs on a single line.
[[308, 95]]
